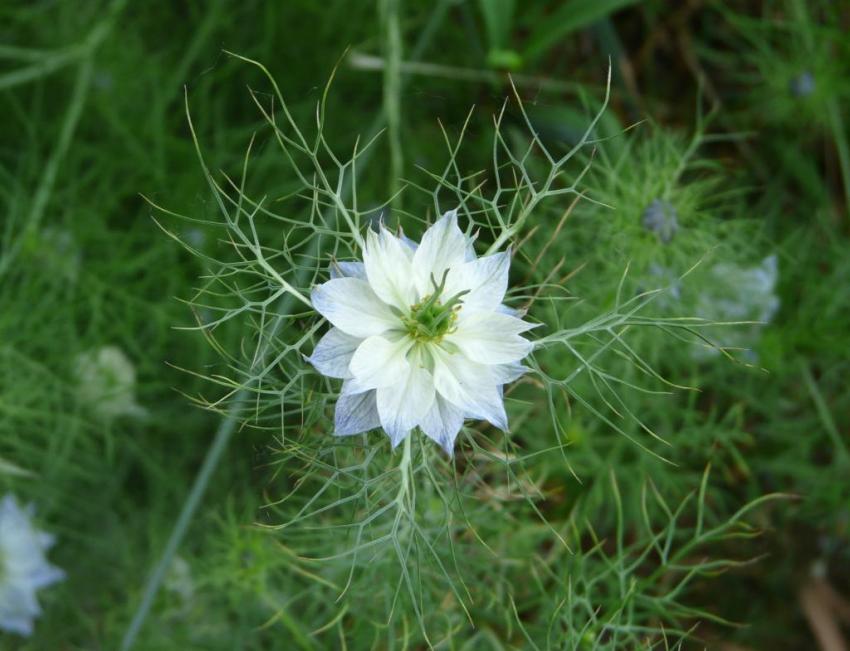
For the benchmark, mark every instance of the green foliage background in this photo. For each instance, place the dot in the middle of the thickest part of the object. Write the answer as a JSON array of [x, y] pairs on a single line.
[[580, 531]]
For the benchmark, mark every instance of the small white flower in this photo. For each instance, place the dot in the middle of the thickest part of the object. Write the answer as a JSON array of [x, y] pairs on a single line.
[[107, 382], [23, 567], [660, 217], [738, 293], [179, 579], [420, 336]]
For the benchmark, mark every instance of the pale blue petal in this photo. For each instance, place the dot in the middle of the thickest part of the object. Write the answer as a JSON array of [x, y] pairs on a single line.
[[356, 413], [442, 423], [44, 576], [507, 373], [402, 404], [410, 244], [510, 311], [340, 269], [333, 353], [18, 610], [467, 386], [25, 570]]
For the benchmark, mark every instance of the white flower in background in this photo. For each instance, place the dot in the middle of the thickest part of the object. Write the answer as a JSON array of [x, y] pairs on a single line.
[[420, 336], [179, 579], [23, 567], [107, 382], [738, 293], [660, 217]]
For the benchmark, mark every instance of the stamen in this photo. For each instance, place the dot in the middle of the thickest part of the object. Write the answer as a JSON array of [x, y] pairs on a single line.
[[430, 319]]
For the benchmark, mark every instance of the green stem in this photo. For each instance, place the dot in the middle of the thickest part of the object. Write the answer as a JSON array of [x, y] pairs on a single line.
[[840, 136], [390, 10], [404, 493], [214, 453]]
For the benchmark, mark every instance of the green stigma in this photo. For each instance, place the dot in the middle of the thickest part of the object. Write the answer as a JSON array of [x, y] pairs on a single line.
[[430, 319]]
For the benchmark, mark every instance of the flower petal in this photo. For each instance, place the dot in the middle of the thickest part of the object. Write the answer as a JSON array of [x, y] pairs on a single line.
[[379, 362], [387, 263], [443, 245], [410, 244], [442, 423], [464, 383], [402, 405], [470, 255], [346, 269], [333, 353], [490, 337], [352, 306], [486, 280], [356, 413], [505, 373]]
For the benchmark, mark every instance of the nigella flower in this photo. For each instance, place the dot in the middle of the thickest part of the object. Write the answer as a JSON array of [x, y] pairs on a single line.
[[179, 579], [660, 218], [802, 85], [420, 336], [739, 293], [23, 567], [107, 383]]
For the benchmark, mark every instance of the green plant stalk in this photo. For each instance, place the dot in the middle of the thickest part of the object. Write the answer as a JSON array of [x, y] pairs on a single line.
[[840, 136], [211, 460], [404, 498], [390, 10], [228, 425], [841, 452]]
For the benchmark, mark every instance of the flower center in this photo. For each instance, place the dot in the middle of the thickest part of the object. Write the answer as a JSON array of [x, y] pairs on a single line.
[[430, 318], [429, 321]]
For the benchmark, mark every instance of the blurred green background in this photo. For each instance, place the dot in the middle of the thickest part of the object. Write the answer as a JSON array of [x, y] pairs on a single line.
[[732, 113]]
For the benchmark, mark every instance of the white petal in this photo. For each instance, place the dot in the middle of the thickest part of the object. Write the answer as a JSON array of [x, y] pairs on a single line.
[[403, 404], [333, 353], [387, 263], [490, 337], [466, 385], [347, 269], [356, 413], [470, 248], [44, 576], [507, 373], [442, 423], [352, 306], [443, 245], [379, 362], [510, 311], [486, 280], [410, 244]]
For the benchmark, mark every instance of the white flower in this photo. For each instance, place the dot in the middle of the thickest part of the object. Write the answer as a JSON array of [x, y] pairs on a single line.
[[23, 567], [738, 293], [107, 382], [420, 336], [179, 579]]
